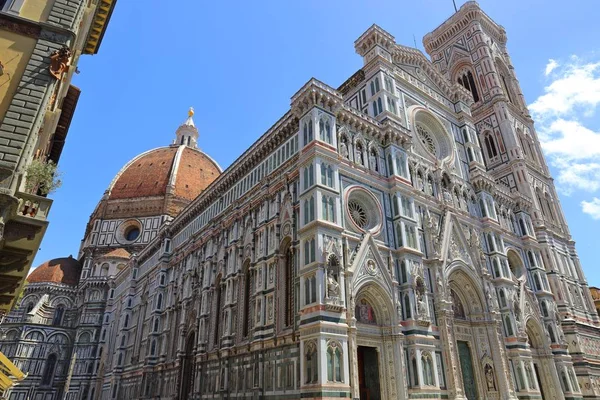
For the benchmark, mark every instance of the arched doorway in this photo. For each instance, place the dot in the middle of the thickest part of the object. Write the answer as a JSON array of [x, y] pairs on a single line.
[[187, 368], [477, 370], [374, 347]]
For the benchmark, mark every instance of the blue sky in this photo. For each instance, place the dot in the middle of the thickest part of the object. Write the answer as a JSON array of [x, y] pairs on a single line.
[[238, 64]]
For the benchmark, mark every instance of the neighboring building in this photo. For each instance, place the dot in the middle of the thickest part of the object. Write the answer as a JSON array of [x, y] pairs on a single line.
[[596, 297], [40, 45], [399, 237]]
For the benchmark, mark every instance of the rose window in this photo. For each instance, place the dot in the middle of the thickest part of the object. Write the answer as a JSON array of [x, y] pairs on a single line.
[[363, 211], [358, 214], [426, 138]]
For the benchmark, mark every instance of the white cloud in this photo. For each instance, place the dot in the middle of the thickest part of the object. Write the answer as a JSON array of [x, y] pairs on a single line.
[[552, 64], [563, 113], [570, 139], [575, 87], [592, 207]]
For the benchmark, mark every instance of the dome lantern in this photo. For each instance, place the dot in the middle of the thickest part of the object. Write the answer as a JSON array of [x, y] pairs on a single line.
[[187, 134]]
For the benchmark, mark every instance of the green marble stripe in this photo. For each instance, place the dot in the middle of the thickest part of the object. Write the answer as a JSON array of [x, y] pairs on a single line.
[[326, 393]]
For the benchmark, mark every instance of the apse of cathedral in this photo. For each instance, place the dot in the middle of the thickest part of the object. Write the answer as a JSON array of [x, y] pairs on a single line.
[[397, 237]]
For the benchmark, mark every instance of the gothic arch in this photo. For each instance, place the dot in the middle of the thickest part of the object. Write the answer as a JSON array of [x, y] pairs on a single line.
[[58, 300], [464, 282], [380, 300], [506, 82], [535, 334]]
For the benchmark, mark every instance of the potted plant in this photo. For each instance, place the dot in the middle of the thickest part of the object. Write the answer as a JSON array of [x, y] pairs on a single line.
[[42, 177]]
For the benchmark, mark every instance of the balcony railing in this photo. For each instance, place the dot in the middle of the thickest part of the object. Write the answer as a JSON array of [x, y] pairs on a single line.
[[32, 206]]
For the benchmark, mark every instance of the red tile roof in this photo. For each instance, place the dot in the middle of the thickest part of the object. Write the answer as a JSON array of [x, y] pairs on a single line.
[[59, 270]]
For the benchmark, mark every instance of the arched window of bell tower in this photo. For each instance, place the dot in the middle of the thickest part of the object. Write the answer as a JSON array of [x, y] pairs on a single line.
[[490, 146], [466, 80]]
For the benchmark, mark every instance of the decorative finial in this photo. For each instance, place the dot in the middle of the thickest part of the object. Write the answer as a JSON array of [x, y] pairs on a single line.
[[191, 112]]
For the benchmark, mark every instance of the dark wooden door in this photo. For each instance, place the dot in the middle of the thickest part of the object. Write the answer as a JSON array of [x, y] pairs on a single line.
[[368, 373]]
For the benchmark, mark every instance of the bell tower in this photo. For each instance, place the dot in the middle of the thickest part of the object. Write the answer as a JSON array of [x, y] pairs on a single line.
[[470, 49]]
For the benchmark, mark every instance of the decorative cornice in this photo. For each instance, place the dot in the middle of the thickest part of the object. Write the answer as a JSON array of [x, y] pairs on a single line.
[[469, 12], [375, 35], [316, 93]]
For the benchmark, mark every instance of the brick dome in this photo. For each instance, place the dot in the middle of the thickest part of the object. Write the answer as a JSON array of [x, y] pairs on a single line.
[[59, 270], [179, 170]]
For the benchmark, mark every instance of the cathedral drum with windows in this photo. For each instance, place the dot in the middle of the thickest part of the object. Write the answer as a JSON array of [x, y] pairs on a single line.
[[397, 237]]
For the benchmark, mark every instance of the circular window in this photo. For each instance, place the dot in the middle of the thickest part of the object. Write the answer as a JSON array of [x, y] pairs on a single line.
[[128, 232], [363, 210], [426, 139], [431, 137], [358, 213], [132, 233]]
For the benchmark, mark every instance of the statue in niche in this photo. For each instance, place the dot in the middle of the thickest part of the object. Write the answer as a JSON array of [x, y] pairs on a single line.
[[422, 307], [333, 287], [373, 161], [399, 309], [429, 187], [489, 377], [419, 181], [365, 313], [358, 156], [343, 147]]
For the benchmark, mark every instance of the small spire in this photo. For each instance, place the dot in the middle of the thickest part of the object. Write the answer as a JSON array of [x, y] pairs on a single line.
[[187, 134], [190, 121]]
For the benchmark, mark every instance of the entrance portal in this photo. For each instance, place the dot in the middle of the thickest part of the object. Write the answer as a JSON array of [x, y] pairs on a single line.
[[466, 366], [368, 373]]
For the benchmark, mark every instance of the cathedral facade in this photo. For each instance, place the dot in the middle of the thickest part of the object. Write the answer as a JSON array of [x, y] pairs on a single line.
[[397, 237]]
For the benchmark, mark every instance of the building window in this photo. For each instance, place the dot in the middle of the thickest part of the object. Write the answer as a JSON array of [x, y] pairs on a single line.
[[326, 175], [509, 327], [334, 362], [309, 210], [325, 130], [309, 251], [415, 372], [49, 369], [407, 307], [159, 302], [502, 296], [377, 107], [490, 146], [308, 132], [58, 315], [427, 364], [391, 105], [312, 363], [328, 208], [310, 290], [375, 86], [467, 81], [308, 176]]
